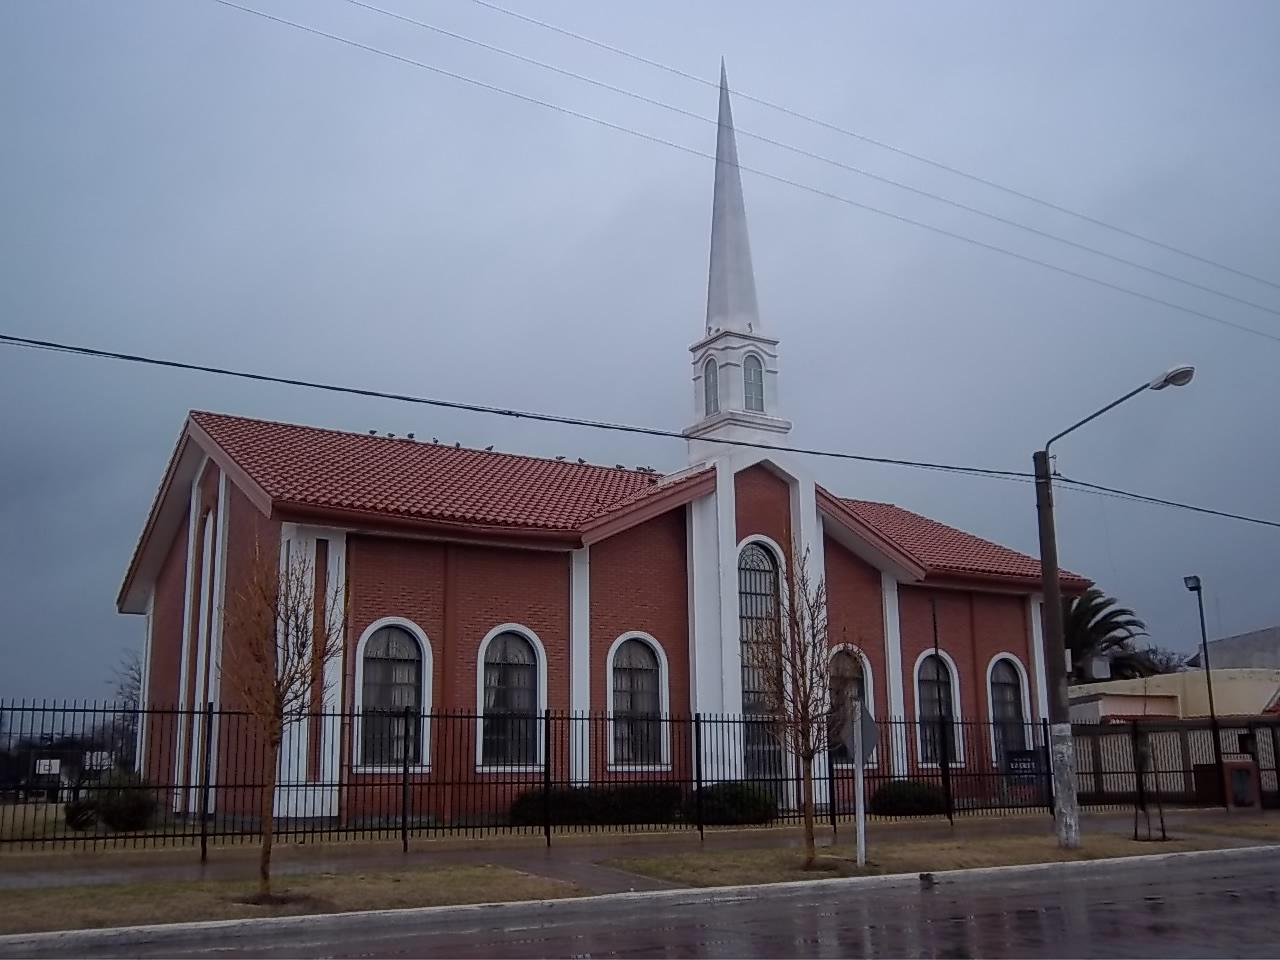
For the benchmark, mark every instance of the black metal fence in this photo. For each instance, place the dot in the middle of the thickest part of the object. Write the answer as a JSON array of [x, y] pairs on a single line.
[[102, 775]]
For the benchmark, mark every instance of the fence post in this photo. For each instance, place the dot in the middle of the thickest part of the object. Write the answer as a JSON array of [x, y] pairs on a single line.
[[206, 741], [1046, 763], [546, 775], [404, 781], [697, 771], [944, 736], [831, 793]]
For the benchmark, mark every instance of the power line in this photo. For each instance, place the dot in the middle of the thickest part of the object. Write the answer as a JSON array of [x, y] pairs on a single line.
[[1009, 475], [1049, 204], [817, 191], [1086, 487], [486, 409], [801, 151]]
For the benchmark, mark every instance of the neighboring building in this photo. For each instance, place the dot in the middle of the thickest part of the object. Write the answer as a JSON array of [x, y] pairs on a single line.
[[506, 585], [1178, 696], [1259, 649]]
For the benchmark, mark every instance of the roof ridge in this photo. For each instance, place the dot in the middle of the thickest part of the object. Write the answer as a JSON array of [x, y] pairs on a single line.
[[423, 443]]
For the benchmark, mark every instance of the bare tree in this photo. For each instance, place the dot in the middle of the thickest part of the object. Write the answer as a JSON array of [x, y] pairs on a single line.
[[788, 658], [115, 728], [281, 636], [126, 680]]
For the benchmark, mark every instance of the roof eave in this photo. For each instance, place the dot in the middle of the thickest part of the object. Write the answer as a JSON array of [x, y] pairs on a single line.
[[890, 554], [680, 493], [459, 530]]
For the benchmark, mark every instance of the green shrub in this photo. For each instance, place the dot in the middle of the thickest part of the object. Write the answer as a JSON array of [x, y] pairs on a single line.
[[603, 805], [80, 814], [908, 798], [125, 801], [732, 802]]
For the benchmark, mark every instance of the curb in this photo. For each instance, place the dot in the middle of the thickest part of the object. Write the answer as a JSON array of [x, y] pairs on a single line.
[[84, 942]]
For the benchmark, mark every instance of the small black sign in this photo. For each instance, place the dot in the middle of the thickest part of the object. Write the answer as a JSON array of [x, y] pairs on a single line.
[[1022, 763]]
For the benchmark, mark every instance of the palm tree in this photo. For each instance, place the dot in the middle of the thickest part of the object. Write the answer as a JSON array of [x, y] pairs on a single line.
[[1094, 626]]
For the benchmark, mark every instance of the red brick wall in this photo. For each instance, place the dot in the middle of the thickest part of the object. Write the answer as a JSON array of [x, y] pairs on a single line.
[[762, 502], [972, 628], [639, 581], [241, 757], [855, 613], [166, 652]]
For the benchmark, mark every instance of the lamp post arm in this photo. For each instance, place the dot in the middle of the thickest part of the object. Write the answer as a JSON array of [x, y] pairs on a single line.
[[1094, 416]]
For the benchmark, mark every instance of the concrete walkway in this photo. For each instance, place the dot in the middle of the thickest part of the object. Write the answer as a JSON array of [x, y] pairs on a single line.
[[576, 858]]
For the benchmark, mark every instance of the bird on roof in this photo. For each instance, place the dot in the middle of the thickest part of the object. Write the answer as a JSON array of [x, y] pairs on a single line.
[[580, 460], [435, 439], [373, 433], [456, 445], [489, 447], [409, 435], [560, 458]]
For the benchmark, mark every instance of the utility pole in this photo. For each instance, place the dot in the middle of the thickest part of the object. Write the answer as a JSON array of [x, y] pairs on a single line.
[[1062, 750]]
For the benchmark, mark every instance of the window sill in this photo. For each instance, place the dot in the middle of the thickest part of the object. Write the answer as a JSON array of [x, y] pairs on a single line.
[[395, 768], [525, 768], [638, 768]]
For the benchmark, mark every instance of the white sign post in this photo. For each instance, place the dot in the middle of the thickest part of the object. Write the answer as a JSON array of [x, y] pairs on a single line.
[[860, 808]]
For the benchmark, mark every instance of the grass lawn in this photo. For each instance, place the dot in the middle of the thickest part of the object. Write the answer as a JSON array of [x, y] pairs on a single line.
[[27, 821], [1243, 824], [116, 905], [727, 867]]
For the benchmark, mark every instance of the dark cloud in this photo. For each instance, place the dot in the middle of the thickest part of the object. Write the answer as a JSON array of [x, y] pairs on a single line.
[[194, 182]]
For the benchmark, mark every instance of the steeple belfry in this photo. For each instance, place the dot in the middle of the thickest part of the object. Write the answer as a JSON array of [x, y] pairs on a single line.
[[731, 284], [735, 366]]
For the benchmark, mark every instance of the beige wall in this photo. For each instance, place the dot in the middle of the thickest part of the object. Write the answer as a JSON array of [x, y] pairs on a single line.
[[1240, 692]]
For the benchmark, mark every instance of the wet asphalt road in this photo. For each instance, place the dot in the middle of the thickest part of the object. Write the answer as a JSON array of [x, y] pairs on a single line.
[[1207, 906]]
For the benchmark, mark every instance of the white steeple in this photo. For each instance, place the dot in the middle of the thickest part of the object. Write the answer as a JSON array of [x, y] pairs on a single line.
[[735, 369], [731, 284]]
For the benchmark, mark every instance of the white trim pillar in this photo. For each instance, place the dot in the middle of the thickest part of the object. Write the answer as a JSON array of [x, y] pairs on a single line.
[[580, 665], [894, 689], [1035, 638]]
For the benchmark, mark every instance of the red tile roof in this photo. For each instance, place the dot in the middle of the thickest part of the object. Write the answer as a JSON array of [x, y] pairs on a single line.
[[313, 467], [946, 550], [310, 467]]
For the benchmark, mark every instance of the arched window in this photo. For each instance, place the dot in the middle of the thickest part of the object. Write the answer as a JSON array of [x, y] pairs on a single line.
[[753, 383], [1008, 723], [935, 707], [391, 672], [510, 704], [637, 704], [759, 627], [848, 686], [757, 621], [711, 386]]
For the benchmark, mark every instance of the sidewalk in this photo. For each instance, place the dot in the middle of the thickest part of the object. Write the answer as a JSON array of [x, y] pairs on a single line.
[[575, 858]]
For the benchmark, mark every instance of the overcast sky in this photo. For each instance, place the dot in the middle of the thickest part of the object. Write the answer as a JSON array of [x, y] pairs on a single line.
[[193, 182]]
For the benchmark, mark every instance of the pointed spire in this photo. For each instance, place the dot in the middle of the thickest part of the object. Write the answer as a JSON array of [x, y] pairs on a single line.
[[731, 286]]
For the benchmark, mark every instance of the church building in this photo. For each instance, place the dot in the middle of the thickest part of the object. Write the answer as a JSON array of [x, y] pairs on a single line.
[[494, 585]]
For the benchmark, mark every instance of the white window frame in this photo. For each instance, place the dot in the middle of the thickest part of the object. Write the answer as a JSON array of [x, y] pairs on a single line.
[[1026, 700], [746, 402], [710, 386], [540, 655], [664, 703], [956, 716], [424, 696], [869, 697]]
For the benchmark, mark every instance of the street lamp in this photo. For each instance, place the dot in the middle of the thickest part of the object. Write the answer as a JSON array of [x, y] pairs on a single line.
[[1066, 808], [1193, 584]]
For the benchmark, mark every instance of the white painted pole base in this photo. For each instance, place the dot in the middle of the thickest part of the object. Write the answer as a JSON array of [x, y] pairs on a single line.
[[1066, 806]]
